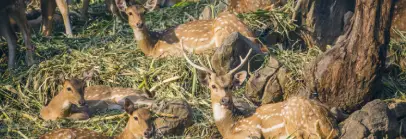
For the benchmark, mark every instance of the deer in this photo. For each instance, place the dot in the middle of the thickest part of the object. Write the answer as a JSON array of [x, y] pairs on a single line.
[[101, 98], [245, 6], [48, 11], [91, 100], [199, 36], [15, 10], [296, 116], [139, 125], [68, 103]]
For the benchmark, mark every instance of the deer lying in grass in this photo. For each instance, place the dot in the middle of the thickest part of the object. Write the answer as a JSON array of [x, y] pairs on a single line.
[[295, 117], [198, 36], [101, 98], [139, 125], [62, 105], [96, 98], [16, 10]]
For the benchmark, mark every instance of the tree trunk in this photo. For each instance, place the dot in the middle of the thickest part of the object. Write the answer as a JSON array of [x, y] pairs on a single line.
[[323, 20], [347, 75]]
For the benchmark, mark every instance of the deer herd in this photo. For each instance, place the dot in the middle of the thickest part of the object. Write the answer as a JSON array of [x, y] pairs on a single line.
[[295, 117]]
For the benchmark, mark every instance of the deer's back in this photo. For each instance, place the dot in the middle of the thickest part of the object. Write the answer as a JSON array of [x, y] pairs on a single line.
[[73, 133]]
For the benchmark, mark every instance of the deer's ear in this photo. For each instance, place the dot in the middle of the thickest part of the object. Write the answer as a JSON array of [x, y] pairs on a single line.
[[121, 5], [239, 78], [128, 106], [204, 78]]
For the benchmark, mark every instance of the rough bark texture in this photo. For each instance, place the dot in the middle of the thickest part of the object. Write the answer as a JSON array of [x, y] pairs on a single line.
[[323, 20], [346, 76]]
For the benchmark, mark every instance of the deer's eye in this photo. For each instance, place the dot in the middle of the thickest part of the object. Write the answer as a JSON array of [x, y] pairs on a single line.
[[136, 118], [213, 86], [130, 13], [69, 89]]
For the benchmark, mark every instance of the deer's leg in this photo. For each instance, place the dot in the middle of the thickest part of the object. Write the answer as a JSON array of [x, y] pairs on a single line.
[[63, 7], [85, 9], [9, 35], [79, 116], [18, 14], [47, 11]]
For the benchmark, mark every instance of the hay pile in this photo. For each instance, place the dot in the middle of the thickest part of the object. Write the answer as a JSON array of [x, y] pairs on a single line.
[[106, 47]]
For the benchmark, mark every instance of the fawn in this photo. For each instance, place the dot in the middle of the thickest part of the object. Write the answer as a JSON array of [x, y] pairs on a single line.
[[139, 125], [62, 105], [296, 116], [101, 98], [16, 10], [199, 36]]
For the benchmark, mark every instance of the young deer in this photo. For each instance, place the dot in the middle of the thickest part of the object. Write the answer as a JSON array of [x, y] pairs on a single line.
[[100, 98], [62, 105], [16, 10], [296, 116], [198, 36], [139, 125]]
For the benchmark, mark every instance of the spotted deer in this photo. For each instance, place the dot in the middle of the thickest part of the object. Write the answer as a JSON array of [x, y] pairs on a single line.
[[294, 117], [101, 98], [245, 6], [139, 125], [15, 10], [198, 36], [64, 104]]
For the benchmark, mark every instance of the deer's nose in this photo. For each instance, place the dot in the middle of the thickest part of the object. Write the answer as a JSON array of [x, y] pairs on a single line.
[[82, 102], [225, 101], [140, 24], [148, 133]]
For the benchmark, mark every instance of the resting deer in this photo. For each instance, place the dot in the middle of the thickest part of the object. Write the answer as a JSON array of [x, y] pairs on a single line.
[[101, 98], [244, 6], [95, 98], [294, 117], [139, 125], [16, 10], [198, 36], [63, 104]]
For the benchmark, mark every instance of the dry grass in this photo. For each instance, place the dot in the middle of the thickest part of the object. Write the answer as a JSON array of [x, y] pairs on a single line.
[[107, 48]]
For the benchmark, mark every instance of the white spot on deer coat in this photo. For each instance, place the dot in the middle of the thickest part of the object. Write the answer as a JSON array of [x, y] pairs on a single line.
[[218, 112], [266, 130]]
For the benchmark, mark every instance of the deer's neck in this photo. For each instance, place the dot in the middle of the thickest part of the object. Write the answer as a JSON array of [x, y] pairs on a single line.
[[127, 134], [223, 117], [59, 104], [144, 40]]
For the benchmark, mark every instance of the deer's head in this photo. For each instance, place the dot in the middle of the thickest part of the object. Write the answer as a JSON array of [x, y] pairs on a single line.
[[221, 85], [134, 12], [140, 123], [73, 91]]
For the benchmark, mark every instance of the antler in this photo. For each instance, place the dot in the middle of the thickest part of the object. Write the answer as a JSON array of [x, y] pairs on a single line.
[[193, 64], [241, 63]]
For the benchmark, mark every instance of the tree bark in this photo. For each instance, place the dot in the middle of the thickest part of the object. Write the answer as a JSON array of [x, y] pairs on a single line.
[[347, 75]]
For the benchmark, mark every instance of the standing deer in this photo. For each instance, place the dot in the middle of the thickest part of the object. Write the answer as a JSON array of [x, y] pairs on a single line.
[[16, 10], [48, 10], [139, 125], [198, 36], [295, 117], [62, 105]]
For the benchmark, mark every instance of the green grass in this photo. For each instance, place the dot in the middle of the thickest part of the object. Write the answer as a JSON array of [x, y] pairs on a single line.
[[116, 61]]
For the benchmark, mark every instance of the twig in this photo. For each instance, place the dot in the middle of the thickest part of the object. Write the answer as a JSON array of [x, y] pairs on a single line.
[[163, 82], [190, 16]]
